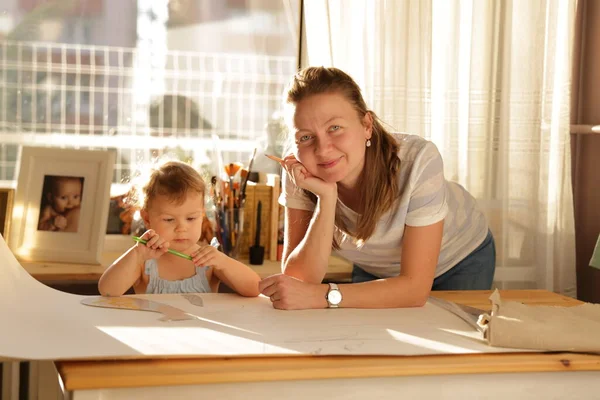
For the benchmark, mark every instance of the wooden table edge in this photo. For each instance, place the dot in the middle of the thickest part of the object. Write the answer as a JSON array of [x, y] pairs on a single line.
[[74, 273], [86, 375]]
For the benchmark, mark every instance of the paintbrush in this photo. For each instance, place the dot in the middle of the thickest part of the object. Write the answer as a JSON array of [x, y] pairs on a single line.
[[245, 179], [221, 190], [275, 158], [215, 199], [242, 198], [231, 170]]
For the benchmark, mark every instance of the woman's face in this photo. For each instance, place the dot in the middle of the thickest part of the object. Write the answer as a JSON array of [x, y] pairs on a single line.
[[330, 138]]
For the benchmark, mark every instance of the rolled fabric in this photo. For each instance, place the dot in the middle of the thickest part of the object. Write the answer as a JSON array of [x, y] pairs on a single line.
[[542, 328]]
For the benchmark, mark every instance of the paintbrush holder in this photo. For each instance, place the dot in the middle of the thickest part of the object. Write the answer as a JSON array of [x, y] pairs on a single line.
[[229, 230]]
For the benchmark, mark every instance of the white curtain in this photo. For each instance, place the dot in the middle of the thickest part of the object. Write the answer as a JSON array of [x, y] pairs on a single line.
[[488, 81]]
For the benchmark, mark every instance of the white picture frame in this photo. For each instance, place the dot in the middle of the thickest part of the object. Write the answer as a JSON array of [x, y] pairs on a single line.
[[42, 175]]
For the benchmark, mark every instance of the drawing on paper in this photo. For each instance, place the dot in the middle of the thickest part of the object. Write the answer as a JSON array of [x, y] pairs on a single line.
[[193, 299], [133, 303]]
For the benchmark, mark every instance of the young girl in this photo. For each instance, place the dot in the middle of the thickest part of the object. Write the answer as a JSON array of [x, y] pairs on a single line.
[[172, 206], [381, 199]]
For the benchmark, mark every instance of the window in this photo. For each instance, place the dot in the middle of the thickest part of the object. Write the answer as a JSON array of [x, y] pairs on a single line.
[[145, 77]]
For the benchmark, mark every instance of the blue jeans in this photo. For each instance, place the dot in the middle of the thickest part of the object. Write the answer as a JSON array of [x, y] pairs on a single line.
[[474, 272]]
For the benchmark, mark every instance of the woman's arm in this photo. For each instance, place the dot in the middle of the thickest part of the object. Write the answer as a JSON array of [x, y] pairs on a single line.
[[309, 234], [420, 253], [307, 245]]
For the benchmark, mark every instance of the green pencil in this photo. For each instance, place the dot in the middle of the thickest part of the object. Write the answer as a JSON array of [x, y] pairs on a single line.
[[174, 252]]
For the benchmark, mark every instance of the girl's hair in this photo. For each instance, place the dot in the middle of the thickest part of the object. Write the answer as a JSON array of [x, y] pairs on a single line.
[[378, 181], [173, 179]]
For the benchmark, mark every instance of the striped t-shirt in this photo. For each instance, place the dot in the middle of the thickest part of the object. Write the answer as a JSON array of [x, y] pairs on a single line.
[[426, 197]]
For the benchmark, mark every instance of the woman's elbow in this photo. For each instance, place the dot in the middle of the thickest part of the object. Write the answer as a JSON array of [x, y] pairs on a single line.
[[421, 297], [419, 302], [301, 274]]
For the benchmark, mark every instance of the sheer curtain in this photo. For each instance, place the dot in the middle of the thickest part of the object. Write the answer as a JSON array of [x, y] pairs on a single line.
[[489, 83]]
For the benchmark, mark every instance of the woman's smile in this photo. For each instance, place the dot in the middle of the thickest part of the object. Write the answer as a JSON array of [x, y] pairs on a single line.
[[330, 163]]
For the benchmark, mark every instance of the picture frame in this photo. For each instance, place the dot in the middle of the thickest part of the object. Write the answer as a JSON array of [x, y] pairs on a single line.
[[7, 196], [61, 204]]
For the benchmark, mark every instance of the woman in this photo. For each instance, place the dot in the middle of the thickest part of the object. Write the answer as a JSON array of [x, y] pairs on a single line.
[[380, 199]]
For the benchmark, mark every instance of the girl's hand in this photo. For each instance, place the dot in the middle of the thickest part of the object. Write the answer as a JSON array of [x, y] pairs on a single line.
[[289, 293], [207, 255], [305, 180], [154, 247]]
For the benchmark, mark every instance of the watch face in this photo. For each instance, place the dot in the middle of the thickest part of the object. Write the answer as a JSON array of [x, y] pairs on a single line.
[[334, 297]]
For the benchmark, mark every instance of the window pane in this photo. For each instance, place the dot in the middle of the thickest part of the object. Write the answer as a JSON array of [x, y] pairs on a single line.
[[147, 77]]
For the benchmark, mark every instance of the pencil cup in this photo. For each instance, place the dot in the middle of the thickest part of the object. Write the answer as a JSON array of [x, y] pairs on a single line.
[[230, 223]]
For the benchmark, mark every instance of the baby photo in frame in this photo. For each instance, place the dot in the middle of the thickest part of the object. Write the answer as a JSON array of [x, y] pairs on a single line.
[[61, 204]]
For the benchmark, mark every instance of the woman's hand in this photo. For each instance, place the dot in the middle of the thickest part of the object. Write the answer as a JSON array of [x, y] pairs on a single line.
[[288, 293], [305, 180], [154, 247]]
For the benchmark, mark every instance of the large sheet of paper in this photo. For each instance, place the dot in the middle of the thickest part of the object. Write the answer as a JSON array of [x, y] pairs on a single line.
[[38, 322]]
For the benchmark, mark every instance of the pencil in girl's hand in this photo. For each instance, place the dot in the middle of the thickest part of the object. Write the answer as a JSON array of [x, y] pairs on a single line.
[[274, 158], [174, 252]]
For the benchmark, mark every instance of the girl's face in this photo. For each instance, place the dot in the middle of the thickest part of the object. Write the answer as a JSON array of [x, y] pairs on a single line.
[[330, 138], [179, 224]]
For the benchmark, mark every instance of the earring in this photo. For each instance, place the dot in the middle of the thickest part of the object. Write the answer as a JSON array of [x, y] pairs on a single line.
[[368, 142]]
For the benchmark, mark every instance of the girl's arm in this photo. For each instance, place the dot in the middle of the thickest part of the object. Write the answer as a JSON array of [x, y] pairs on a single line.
[[236, 275], [128, 268], [307, 245], [122, 274], [420, 253]]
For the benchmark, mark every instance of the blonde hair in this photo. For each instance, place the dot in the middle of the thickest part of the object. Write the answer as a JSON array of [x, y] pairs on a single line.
[[173, 179], [379, 187]]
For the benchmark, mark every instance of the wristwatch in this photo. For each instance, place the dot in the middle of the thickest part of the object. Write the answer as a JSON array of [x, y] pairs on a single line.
[[333, 296]]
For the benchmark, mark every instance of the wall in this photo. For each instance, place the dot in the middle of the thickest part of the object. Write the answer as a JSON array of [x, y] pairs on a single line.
[[586, 148]]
